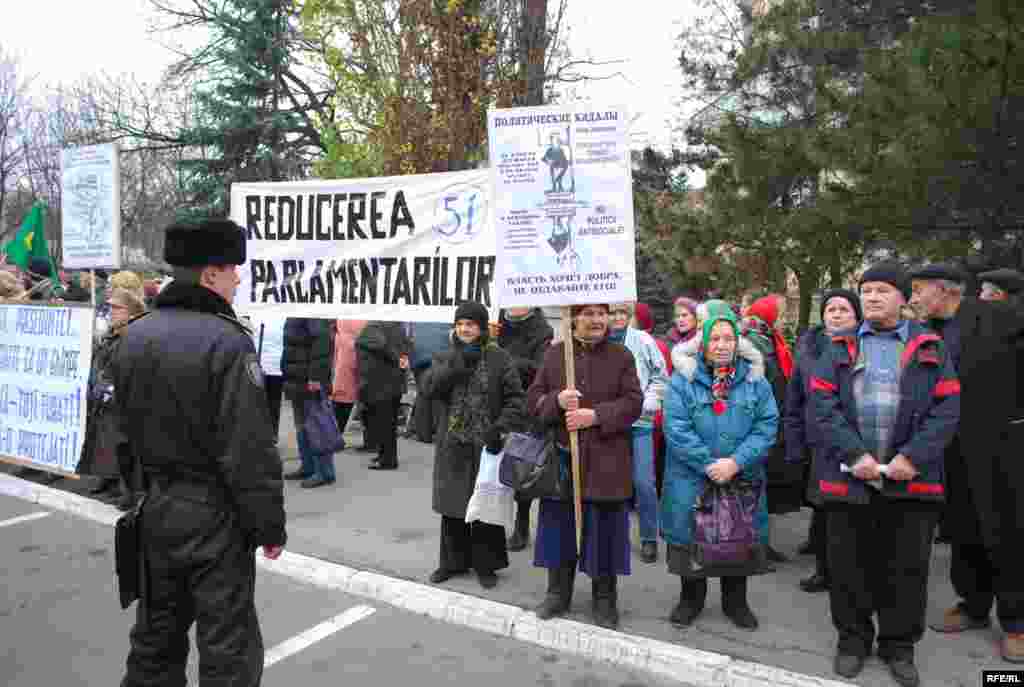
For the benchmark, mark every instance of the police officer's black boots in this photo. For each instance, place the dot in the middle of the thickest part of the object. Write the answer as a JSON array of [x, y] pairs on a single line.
[[606, 601], [559, 596]]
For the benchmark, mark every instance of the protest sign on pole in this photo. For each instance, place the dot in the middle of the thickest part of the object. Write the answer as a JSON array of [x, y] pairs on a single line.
[[45, 356], [561, 180], [91, 206], [563, 205], [404, 249]]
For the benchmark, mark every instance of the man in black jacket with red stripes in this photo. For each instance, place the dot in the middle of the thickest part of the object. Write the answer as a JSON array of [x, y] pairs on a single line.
[[888, 403]]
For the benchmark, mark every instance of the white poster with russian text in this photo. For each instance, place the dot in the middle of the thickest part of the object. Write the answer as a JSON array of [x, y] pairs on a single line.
[[91, 206], [405, 249], [45, 356], [563, 205]]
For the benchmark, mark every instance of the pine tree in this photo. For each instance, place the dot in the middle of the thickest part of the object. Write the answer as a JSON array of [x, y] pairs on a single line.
[[248, 124]]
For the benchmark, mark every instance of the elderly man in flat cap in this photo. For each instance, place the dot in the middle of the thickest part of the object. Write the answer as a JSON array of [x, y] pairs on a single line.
[[888, 402], [1002, 285], [985, 475], [190, 394]]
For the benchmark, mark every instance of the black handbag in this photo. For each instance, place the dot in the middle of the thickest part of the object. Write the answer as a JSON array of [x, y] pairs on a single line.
[[129, 558], [531, 465]]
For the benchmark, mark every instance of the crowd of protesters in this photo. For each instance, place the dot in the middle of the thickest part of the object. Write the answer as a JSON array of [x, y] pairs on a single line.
[[881, 419]]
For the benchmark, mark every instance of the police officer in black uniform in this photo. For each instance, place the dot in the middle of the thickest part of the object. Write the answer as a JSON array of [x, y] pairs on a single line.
[[190, 393]]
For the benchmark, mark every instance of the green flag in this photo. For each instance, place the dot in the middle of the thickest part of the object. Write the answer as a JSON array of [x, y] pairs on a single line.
[[30, 242]]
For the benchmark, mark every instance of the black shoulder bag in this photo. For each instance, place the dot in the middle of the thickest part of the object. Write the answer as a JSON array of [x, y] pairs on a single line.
[[531, 465]]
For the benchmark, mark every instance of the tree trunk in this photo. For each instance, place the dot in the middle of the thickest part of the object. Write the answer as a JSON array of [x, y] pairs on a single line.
[[534, 37], [808, 278], [835, 270]]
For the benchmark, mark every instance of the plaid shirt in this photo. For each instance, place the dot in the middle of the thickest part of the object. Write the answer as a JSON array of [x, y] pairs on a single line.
[[876, 386]]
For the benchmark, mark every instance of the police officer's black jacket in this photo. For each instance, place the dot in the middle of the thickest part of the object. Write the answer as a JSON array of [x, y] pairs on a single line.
[[190, 394]]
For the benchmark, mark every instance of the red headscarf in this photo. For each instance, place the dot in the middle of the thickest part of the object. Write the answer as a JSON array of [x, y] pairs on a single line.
[[644, 318], [767, 310]]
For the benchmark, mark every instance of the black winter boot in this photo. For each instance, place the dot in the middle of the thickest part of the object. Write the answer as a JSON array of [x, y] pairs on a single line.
[[691, 602], [559, 596], [734, 603], [606, 601], [819, 581], [521, 534]]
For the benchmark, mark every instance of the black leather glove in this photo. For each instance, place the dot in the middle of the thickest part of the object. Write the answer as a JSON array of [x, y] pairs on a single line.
[[493, 441]]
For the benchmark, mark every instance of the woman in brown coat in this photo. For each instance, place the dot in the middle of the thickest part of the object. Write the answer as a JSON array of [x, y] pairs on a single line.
[[603, 407]]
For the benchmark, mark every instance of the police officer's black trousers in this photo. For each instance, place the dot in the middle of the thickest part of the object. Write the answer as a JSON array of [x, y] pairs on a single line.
[[980, 582], [202, 571], [879, 556]]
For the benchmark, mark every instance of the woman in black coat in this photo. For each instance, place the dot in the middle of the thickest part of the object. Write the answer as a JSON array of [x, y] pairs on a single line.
[[307, 366], [105, 452], [484, 400], [382, 354], [526, 335], [840, 310]]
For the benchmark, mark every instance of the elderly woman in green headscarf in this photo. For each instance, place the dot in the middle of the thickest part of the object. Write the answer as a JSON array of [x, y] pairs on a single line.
[[720, 422]]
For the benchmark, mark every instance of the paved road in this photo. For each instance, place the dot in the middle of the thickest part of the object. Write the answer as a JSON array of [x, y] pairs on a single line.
[[382, 521], [61, 625]]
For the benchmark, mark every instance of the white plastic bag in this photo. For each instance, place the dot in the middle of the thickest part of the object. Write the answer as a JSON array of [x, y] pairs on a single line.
[[492, 502]]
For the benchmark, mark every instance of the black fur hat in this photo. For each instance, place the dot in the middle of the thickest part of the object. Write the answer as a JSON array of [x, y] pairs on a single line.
[[211, 242]]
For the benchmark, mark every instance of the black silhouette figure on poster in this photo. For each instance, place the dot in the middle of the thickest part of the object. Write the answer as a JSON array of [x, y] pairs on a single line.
[[560, 235], [557, 162], [561, 241]]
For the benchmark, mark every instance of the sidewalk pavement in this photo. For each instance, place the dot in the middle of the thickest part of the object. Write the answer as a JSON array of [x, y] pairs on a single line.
[[381, 522]]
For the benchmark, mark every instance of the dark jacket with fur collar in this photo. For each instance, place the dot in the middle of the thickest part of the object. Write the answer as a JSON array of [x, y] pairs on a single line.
[[191, 398]]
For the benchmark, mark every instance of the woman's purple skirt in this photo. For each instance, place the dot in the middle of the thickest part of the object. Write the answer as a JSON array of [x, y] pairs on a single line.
[[606, 548]]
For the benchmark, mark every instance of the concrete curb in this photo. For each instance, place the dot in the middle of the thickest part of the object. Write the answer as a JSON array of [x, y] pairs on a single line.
[[674, 661]]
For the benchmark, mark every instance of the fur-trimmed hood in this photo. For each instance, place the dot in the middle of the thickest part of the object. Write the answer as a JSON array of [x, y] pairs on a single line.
[[685, 355]]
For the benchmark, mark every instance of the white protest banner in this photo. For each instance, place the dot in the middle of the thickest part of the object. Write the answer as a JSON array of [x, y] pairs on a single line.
[[407, 249], [563, 205], [91, 206], [45, 355]]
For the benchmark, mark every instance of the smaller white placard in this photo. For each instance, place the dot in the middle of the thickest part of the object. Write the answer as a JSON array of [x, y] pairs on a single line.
[[91, 206], [45, 356]]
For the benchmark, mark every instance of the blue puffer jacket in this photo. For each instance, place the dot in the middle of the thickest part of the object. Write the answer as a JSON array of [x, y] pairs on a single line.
[[697, 437], [928, 417]]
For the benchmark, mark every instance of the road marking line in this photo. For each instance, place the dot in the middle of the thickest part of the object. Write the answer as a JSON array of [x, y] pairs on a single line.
[[25, 518], [315, 634]]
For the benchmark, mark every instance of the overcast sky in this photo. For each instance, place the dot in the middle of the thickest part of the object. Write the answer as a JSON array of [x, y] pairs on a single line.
[[62, 40]]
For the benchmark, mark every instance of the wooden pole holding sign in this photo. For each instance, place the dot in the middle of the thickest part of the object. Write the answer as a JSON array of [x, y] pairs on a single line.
[[574, 437]]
